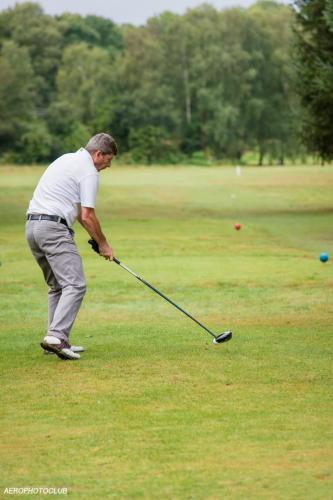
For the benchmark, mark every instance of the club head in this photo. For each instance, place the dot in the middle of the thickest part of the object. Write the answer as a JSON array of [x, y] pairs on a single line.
[[223, 337]]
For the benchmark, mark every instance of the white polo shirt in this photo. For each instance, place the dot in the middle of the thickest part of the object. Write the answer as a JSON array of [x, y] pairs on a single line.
[[69, 181]]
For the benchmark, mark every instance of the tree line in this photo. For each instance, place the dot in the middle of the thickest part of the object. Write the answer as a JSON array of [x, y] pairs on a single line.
[[204, 86]]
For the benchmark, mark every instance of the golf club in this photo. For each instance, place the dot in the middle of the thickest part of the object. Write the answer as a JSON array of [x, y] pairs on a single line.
[[218, 339]]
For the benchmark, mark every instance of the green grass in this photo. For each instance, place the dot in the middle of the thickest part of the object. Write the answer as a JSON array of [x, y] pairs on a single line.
[[153, 409]]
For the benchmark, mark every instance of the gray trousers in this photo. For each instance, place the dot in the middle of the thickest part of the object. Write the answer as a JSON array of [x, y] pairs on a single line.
[[54, 249]]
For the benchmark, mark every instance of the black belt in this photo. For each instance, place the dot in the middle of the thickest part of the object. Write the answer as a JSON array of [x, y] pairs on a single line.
[[53, 218]]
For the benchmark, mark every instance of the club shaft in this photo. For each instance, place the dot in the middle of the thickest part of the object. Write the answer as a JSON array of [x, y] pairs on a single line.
[[162, 295]]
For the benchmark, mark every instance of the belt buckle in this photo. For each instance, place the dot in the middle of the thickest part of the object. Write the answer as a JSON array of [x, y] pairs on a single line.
[[40, 218]]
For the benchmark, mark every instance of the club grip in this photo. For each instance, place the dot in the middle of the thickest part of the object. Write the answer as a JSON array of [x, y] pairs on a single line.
[[94, 245]]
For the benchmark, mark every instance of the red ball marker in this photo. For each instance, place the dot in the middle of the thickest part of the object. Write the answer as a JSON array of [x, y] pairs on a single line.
[[237, 226]]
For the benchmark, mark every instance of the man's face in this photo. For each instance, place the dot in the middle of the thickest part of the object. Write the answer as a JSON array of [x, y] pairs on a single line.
[[102, 160]]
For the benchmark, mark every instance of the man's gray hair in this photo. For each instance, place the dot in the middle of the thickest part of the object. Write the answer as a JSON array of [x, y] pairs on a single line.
[[103, 143]]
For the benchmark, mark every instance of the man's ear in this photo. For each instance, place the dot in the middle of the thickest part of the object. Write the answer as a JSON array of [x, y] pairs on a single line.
[[96, 156]]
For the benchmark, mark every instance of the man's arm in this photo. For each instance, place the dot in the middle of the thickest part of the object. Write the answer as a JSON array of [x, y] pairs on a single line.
[[88, 219]]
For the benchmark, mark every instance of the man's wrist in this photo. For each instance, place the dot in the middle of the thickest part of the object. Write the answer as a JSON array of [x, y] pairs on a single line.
[[102, 241]]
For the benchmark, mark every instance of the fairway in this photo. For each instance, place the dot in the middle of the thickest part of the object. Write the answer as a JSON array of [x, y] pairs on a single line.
[[153, 409]]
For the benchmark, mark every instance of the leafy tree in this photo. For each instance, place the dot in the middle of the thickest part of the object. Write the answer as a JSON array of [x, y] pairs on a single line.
[[315, 73], [16, 93], [143, 143], [93, 30], [109, 34], [29, 27], [221, 79], [273, 103], [34, 143], [143, 94], [84, 83], [77, 136], [75, 29]]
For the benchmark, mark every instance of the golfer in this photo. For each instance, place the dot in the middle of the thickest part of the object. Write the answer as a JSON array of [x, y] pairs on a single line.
[[67, 191]]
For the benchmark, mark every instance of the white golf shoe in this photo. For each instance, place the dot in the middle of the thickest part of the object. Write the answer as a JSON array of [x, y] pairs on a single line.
[[61, 348]]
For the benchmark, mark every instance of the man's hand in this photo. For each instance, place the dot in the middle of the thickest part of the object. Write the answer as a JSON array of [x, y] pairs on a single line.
[[107, 255], [106, 251]]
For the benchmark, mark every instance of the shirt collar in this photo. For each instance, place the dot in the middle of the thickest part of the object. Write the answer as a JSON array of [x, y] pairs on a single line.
[[87, 155]]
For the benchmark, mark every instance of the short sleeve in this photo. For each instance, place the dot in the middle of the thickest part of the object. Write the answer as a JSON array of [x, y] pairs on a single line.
[[88, 190]]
